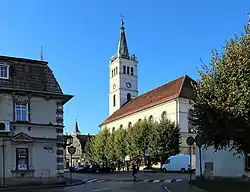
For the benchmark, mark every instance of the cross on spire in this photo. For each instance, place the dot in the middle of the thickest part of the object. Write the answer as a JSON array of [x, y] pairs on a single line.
[[122, 18], [248, 24]]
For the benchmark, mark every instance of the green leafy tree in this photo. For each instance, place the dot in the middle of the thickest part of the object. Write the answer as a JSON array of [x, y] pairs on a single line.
[[174, 139], [92, 153], [89, 150], [139, 138], [98, 145], [120, 144], [110, 151], [132, 142], [222, 109], [165, 139]]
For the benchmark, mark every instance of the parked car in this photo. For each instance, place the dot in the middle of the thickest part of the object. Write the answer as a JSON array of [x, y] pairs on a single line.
[[93, 168], [73, 168], [82, 169]]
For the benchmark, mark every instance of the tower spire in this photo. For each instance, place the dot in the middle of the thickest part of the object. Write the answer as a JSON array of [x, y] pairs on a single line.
[[122, 47], [76, 130]]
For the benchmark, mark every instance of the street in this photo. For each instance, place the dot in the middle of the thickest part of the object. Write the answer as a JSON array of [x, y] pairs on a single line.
[[127, 176], [109, 187], [123, 182]]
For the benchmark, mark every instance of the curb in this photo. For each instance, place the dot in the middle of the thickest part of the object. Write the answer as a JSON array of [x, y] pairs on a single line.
[[42, 186]]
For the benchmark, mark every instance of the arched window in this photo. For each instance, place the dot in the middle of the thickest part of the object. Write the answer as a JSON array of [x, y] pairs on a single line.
[[132, 71], [116, 70], [112, 73], [139, 120], [129, 124], [114, 100], [113, 129], [121, 126], [124, 69], [128, 70], [164, 115], [128, 97], [151, 118]]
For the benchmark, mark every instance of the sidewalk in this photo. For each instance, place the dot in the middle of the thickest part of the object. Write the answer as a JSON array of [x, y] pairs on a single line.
[[222, 185], [65, 184], [182, 186]]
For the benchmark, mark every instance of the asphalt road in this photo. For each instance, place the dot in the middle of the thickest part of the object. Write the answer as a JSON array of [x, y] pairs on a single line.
[[109, 187], [123, 187], [127, 176], [123, 182]]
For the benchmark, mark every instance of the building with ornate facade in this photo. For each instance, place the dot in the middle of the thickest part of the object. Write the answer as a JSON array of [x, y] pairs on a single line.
[[79, 142], [172, 100], [31, 122]]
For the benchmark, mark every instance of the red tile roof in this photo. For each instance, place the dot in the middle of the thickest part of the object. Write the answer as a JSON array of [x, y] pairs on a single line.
[[180, 87]]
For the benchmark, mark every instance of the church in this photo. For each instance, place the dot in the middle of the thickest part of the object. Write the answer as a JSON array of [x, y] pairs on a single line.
[[172, 100]]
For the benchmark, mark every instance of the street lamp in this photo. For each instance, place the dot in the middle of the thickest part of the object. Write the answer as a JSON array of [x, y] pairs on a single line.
[[190, 142], [71, 150], [199, 143]]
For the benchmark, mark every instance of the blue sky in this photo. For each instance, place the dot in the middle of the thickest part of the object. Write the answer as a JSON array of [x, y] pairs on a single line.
[[80, 36]]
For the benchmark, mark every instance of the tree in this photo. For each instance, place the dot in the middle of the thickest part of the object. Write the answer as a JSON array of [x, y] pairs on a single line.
[[110, 152], [89, 150], [139, 138], [120, 144], [222, 109], [174, 139], [92, 153], [166, 140], [98, 145], [132, 141]]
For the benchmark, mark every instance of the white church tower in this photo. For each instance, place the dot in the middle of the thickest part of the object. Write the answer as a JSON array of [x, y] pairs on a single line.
[[123, 79]]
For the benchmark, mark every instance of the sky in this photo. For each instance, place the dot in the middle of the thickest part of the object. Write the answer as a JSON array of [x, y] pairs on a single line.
[[170, 38]]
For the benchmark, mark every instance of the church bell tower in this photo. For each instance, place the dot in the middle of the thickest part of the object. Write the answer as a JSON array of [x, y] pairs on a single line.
[[123, 77]]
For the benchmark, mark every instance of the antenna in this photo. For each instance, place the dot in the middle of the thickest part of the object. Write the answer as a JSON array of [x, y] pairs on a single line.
[[41, 56]]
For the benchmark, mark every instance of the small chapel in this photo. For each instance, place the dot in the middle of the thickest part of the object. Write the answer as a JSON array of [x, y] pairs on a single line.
[[172, 100]]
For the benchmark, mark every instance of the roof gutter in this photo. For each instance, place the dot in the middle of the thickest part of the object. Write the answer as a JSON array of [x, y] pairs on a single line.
[[64, 97], [172, 99]]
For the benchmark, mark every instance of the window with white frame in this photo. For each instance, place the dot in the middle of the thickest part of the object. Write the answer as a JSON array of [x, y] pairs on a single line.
[[4, 71], [21, 112]]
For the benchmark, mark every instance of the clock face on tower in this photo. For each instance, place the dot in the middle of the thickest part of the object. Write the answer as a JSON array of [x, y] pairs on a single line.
[[114, 86], [128, 85]]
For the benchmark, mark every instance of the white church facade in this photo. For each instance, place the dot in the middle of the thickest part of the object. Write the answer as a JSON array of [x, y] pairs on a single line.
[[171, 100]]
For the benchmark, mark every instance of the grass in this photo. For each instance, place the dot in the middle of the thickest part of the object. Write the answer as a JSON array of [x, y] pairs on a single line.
[[222, 185]]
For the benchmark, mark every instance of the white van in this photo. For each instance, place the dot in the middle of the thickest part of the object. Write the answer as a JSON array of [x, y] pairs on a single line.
[[179, 162]]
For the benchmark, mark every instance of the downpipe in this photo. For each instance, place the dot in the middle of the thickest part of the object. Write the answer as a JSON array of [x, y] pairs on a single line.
[[3, 163]]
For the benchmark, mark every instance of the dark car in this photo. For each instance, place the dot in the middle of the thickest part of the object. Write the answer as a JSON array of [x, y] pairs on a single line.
[[105, 169], [93, 168], [82, 169]]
